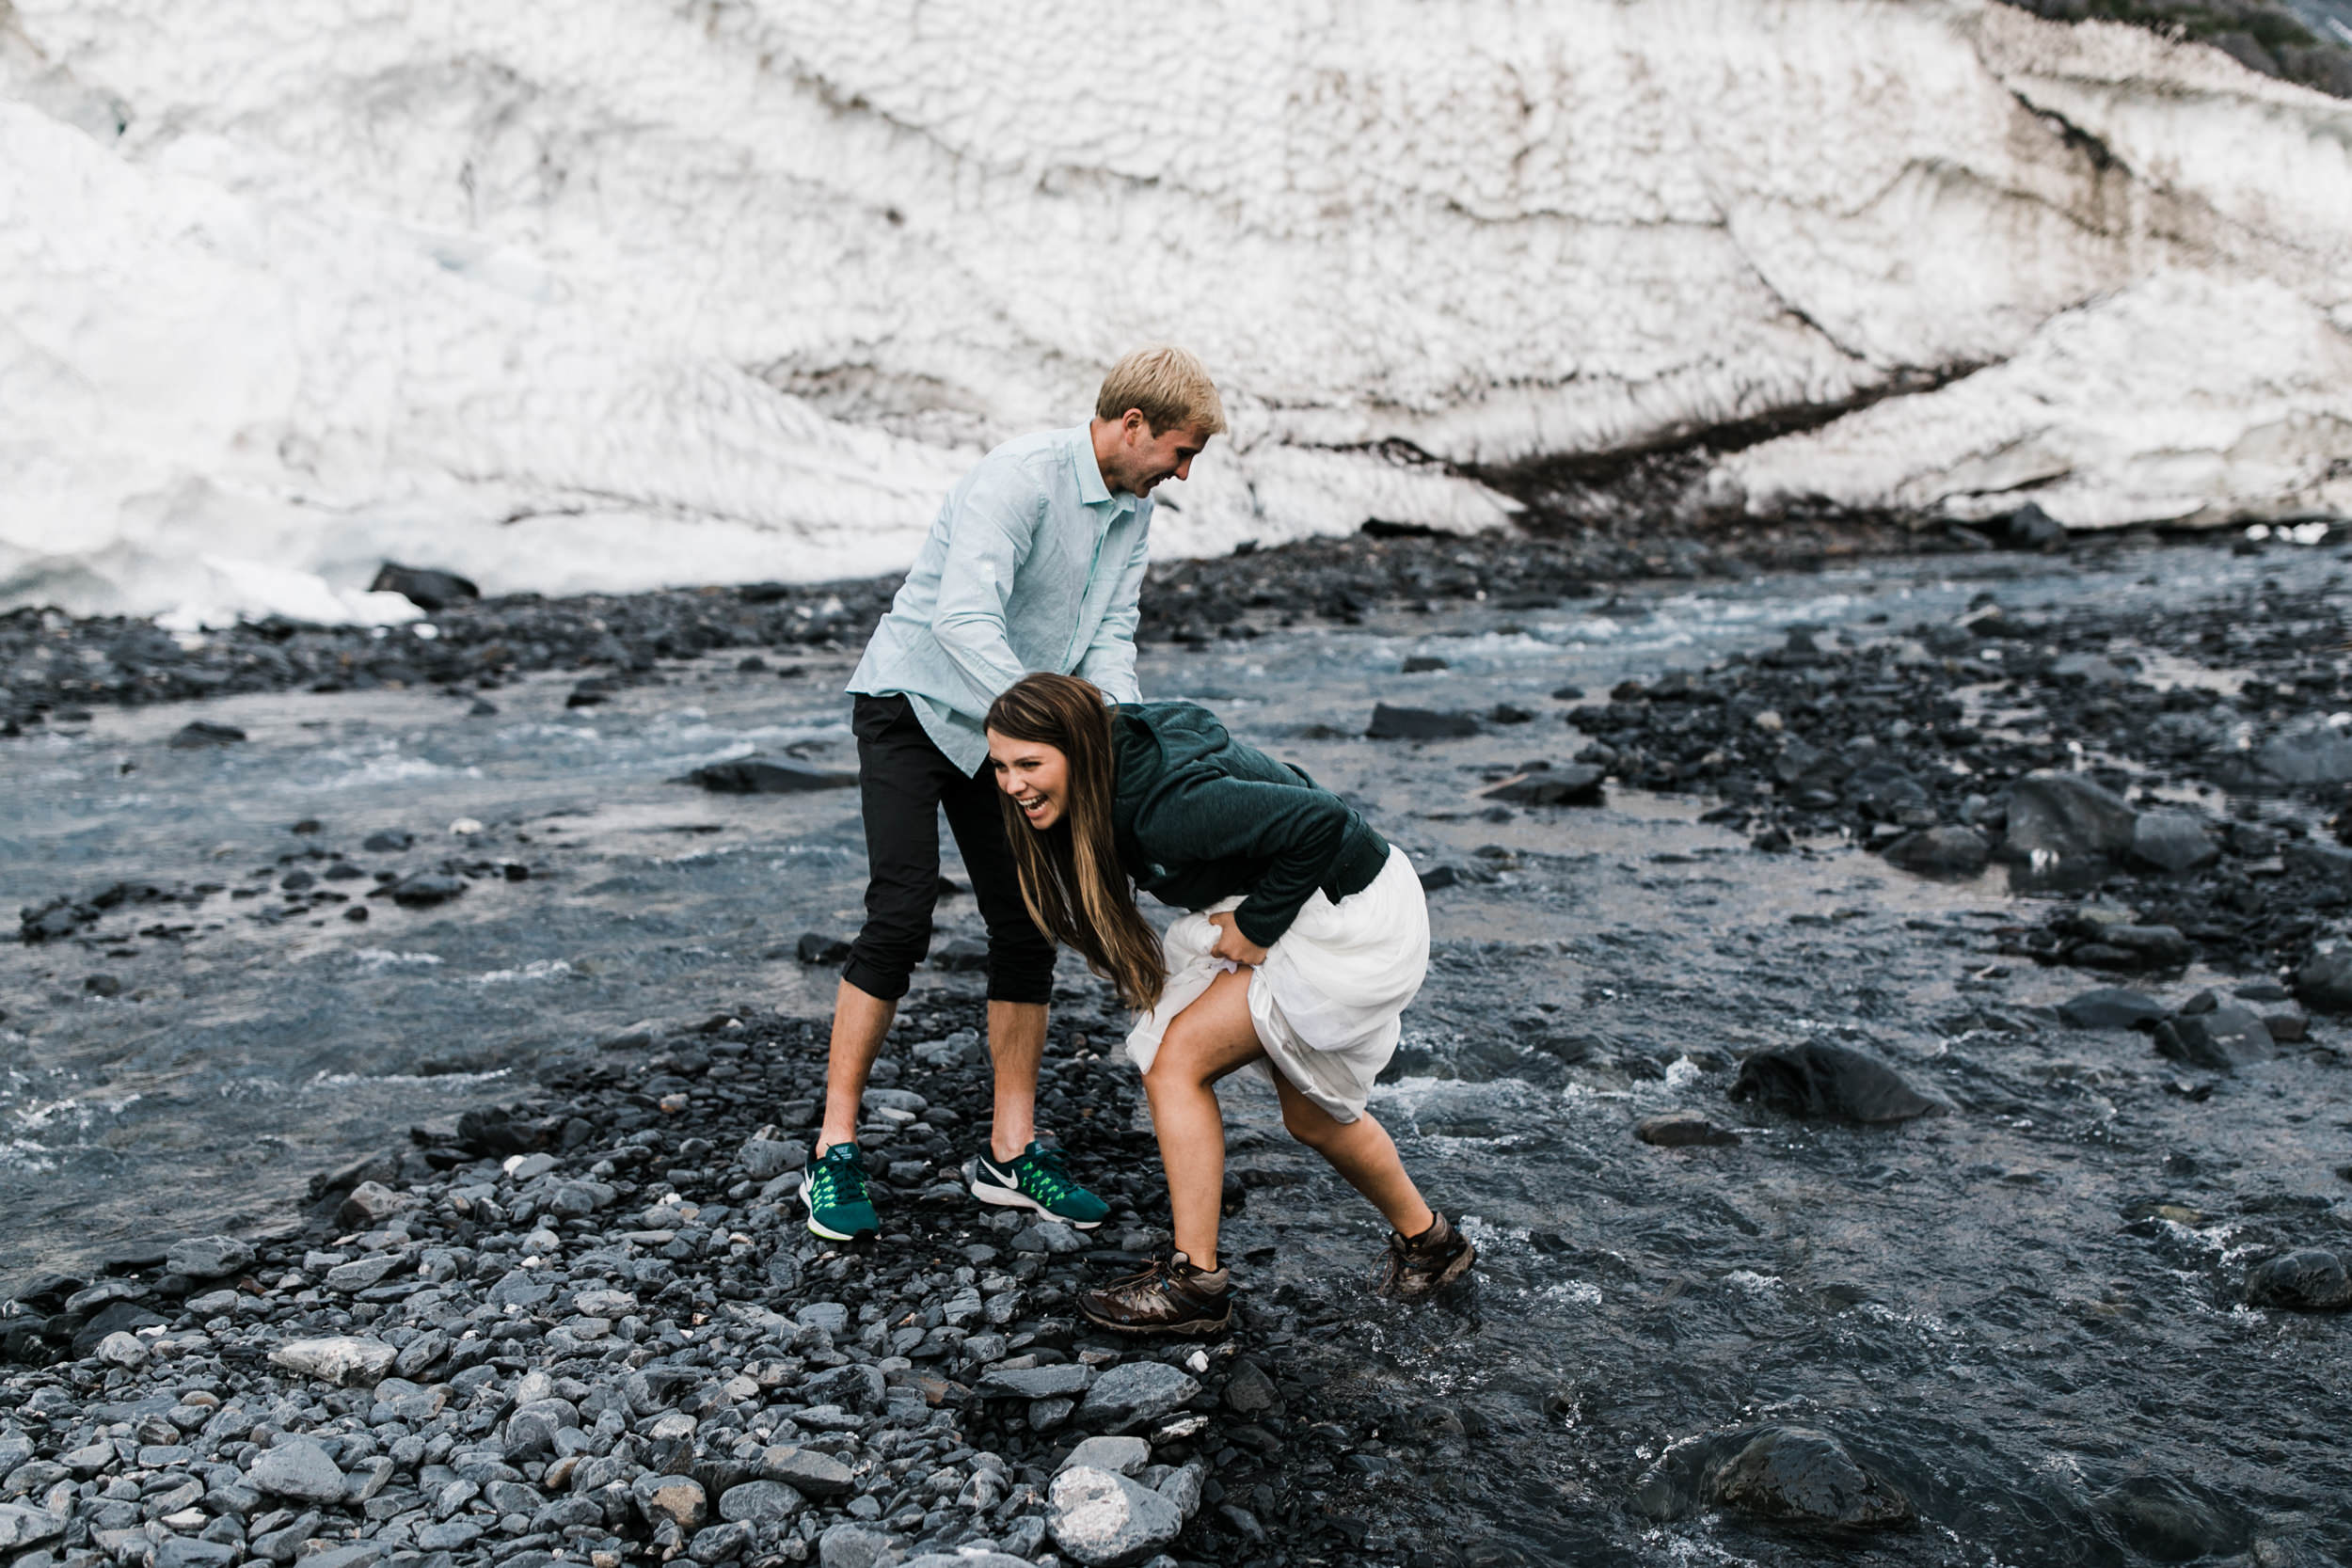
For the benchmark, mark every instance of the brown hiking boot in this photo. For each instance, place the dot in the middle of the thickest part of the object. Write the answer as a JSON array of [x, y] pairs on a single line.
[[1169, 1297], [1427, 1264]]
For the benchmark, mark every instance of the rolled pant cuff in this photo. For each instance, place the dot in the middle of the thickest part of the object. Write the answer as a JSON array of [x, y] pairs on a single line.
[[880, 984]]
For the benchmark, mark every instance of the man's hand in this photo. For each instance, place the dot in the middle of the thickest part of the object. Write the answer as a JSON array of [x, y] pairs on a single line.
[[1232, 944]]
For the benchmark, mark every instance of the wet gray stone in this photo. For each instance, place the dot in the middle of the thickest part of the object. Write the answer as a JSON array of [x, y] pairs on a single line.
[[1135, 1392], [362, 1274], [342, 1359], [806, 1471], [2173, 840], [855, 1387], [1050, 1237], [720, 1542], [760, 1502], [764, 1159], [1801, 1476], [1062, 1380], [847, 1545], [678, 1498], [967, 1560], [1950, 850], [2310, 752], [1125, 1455], [298, 1467], [1101, 1518], [2325, 983], [1822, 1080], [22, 1526], [2066, 817], [2110, 1007], [831, 1316], [1247, 1390], [1417, 723], [1182, 1486], [532, 1427], [209, 1256], [369, 1205], [1681, 1130], [2311, 1279], [521, 1287], [2222, 1040], [186, 1551], [577, 1200]]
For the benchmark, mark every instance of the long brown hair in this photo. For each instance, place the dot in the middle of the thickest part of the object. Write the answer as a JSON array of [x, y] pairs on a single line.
[[1071, 876]]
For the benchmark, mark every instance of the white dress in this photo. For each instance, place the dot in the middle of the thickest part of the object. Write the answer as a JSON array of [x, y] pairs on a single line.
[[1327, 998]]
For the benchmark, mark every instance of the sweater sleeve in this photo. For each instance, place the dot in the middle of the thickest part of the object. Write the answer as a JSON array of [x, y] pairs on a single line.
[[1299, 830]]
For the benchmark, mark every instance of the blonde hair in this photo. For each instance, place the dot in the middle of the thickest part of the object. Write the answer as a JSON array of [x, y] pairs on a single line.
[[1168, 386], [1070, 877]]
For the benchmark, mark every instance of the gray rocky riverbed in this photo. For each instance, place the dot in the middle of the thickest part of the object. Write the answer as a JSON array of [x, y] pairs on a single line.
[[2080, 1308]]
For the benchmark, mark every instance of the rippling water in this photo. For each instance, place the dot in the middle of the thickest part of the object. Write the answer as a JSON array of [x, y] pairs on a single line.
[[2023, 1312]]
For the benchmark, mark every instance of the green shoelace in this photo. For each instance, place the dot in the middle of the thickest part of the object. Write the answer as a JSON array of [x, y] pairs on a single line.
[[839, 1181]]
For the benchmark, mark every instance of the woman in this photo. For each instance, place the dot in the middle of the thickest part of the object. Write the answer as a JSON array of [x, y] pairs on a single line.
[[1308, 936]]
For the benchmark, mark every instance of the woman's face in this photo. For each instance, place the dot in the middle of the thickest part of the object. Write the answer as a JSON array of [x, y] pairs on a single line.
[[1036, 775]]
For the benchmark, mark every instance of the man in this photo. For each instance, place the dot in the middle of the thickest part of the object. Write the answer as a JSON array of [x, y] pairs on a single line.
[[1035, 562]]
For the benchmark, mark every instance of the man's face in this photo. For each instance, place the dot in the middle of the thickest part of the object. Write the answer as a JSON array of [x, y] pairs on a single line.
[[1140, 459]]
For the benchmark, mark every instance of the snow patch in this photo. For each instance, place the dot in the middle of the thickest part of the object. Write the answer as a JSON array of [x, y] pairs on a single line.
[[567, 297]]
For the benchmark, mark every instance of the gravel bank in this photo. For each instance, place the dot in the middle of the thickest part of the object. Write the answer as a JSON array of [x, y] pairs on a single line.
[[588, 1327]]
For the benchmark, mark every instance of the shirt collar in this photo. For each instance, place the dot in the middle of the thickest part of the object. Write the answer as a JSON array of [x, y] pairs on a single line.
[[1091, 490]]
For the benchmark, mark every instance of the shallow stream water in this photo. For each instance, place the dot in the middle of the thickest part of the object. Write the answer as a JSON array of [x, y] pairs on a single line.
[[2022, 1312]]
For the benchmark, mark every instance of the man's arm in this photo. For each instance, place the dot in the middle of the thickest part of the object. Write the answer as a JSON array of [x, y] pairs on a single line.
[[987, 541], [1109, 660]]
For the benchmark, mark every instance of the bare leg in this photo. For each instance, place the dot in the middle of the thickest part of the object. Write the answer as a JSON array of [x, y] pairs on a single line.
[[1362, 1152], [1203, 1043], [859, 1022], [1016, 1043]]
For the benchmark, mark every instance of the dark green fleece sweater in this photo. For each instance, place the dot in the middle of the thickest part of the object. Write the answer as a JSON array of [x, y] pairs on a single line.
[[1200, 817]]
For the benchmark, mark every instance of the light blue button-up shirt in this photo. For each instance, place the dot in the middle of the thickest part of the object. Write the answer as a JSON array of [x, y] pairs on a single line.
[[1032, 564]]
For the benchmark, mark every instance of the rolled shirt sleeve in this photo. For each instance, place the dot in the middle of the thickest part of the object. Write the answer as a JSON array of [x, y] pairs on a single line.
[[1109, 660]]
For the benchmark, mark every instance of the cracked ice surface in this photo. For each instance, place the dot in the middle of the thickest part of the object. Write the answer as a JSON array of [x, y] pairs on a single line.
[[567, 296]]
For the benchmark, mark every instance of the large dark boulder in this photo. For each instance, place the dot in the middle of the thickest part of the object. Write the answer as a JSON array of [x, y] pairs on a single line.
[[2221, 1040], [2167, 1522], [1794, 1474], [2111, 1007], [2316, 752], [2172, 840], [2029, 528], [428, 590], [2065, 816], [2325, 984], [1418, 723], [1886, 791], [2309, 1280], [1950, 850], [2316, 857], [199, 733], [1819, 1080], [763, 775]]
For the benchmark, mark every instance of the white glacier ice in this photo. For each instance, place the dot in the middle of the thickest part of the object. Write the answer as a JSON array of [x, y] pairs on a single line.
[[571, 295]]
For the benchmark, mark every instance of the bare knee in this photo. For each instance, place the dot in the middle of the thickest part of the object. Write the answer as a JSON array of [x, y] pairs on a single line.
[[1173, 1067]]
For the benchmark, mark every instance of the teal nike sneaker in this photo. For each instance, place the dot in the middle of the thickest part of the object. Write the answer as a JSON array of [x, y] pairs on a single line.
[[1036, 1180], [839, 1208]]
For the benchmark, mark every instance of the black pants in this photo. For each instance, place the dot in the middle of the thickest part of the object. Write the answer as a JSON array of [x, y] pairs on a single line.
[[903, 784]]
